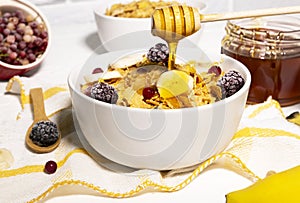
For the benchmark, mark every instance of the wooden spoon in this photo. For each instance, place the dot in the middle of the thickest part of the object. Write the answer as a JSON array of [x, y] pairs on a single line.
[[39, 114]]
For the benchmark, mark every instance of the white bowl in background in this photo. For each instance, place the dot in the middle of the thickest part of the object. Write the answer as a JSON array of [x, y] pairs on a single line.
[[153, 138], [115, 33]]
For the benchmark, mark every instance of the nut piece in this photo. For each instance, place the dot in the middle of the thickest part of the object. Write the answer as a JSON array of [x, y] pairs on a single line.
[[6, 159]]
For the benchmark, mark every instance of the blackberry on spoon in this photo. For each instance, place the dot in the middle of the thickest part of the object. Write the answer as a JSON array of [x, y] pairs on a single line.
[[43, 135]]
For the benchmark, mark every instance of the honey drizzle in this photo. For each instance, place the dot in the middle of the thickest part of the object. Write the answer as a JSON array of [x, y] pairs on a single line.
[[172, 54], [172, 24]]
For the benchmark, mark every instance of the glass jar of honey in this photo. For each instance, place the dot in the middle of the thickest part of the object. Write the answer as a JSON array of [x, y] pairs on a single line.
[[270, 48]]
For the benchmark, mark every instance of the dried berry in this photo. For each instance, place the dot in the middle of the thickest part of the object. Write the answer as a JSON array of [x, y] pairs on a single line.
[[148, 92], [215, 69], [104, 92], [231, 82], [97, 70], [44, 133], [158, 53]]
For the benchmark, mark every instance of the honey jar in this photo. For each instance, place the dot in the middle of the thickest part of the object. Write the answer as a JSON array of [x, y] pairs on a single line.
[[270, 48]]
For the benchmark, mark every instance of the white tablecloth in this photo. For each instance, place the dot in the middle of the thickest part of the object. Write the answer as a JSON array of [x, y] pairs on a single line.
[[74, 39]]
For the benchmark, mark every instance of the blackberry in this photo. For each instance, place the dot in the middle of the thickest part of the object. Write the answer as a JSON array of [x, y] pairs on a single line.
[[231, 82], [158, 53], [104, 92], [44, 133]]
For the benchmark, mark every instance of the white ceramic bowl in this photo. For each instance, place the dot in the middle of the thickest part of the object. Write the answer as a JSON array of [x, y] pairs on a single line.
[[7, 70], [157, 139], [115, 33]]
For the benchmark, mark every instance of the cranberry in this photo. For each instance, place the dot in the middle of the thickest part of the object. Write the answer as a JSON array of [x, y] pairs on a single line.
[[50, 167], [13, 55], [22, 45], [22, 54], [97, 70], [31, 57], [44, 34], [87, 91], [215, 69], [148, 92], [38, 42]]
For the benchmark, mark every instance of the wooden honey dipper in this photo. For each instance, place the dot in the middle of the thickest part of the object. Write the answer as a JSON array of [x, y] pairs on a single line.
[[176, 22]]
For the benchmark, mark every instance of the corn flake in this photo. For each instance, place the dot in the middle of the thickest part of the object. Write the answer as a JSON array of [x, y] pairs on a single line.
[[136, 9]]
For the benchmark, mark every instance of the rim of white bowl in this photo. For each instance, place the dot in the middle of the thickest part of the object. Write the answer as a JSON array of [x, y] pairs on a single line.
[[235, 96], [20, 5], [102, 13]]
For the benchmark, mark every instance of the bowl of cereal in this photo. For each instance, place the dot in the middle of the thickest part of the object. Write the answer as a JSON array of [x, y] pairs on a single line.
[[136, 111], [116, 22], [24, 38]]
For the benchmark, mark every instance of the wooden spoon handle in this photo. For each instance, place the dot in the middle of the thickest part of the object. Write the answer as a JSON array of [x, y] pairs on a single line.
[[37, 99], [249, 14]]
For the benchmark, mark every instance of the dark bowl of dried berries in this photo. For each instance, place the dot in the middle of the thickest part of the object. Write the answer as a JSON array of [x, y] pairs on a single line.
[[24, 38], [132, 109]]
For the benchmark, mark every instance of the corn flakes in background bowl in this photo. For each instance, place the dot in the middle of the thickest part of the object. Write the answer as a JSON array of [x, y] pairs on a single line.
[[137, 9], [115, 19]]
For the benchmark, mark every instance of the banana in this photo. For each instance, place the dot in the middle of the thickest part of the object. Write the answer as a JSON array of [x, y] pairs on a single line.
[[294, 118], [173, 83], [283, 187]]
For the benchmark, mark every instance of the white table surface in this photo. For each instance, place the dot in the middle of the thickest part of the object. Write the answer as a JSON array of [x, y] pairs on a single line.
[[74, 39]]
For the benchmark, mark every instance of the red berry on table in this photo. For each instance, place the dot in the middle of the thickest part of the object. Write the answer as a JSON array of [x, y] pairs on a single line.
[[50, 167], [216, 70], [148, 92]]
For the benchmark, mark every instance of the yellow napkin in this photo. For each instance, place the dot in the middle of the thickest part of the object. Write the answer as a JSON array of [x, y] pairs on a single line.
[[264, 141]]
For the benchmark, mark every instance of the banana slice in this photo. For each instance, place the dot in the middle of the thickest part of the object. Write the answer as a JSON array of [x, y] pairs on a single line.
[[104, 76], [127, 61], [6, 159], [173, 83]]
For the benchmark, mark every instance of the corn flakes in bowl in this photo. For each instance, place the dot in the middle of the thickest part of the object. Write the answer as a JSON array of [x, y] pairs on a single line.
[[112, 23], [163, 127], [137, 9]]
